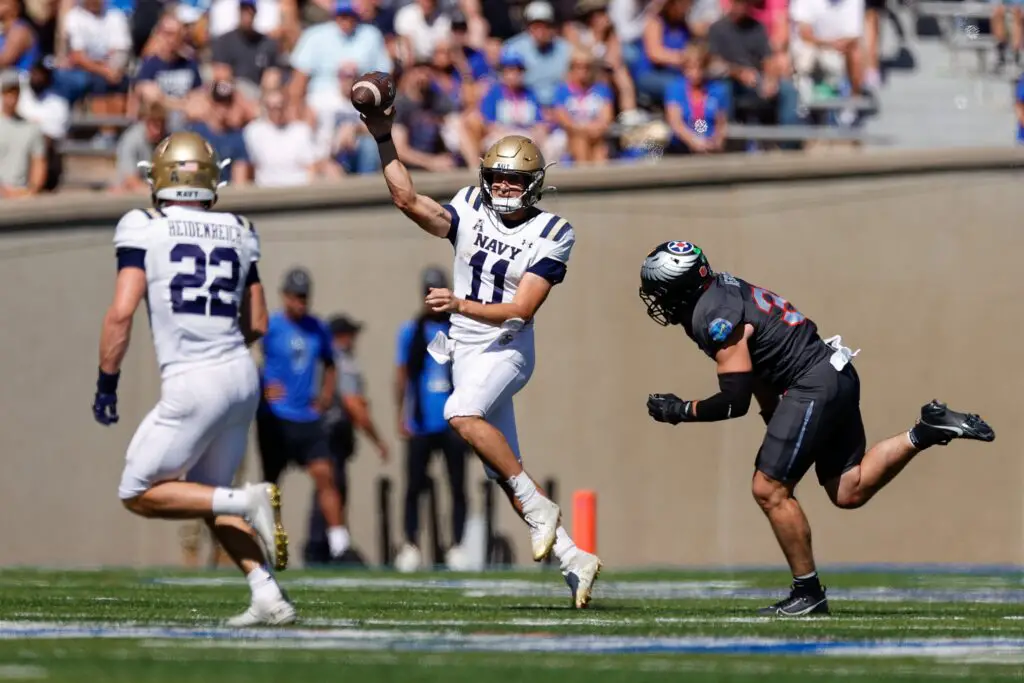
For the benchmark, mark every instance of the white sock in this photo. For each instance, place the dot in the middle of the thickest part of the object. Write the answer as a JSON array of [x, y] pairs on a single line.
[[565, 549], [263, 585], [337, 540], [523, 487], [230, 501]]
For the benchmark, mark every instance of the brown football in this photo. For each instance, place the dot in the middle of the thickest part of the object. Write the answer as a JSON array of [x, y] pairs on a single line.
[[373, 92]]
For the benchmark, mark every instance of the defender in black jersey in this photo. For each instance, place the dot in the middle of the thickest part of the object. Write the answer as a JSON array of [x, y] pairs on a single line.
[[808, 392]]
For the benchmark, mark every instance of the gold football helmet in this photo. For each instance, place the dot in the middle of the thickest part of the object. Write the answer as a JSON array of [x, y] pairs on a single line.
[[513, 155], [185, 168]]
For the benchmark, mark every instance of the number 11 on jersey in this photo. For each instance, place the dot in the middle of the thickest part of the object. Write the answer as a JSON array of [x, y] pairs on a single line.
[[497, 270]]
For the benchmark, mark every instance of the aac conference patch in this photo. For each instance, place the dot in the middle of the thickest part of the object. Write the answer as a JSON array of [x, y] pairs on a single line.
[[720, 329]]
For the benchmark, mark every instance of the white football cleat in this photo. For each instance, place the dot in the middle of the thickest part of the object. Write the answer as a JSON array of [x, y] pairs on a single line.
[[543, 516], [581, 574], [265, 517], [276, 612], [409, 559]]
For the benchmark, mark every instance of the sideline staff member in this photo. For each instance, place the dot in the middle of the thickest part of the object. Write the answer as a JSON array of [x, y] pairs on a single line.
[[288, 423]]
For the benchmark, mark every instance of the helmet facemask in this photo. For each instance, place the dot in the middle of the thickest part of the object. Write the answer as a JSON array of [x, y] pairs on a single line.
[[532, 183]]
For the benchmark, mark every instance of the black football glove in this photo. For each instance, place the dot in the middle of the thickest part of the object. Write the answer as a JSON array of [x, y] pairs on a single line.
[[668, 408], [104, 405]]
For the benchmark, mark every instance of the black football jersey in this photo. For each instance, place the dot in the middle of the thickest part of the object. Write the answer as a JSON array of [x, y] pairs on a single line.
[[785, 342]]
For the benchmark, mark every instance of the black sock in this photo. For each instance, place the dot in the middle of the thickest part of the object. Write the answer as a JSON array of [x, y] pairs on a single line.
[[924, 436], [807, 585]]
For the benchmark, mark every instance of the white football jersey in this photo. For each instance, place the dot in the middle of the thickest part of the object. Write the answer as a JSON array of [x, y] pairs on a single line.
[[197, 267], [491, 258]]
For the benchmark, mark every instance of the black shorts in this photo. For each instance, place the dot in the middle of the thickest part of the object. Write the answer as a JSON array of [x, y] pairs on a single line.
[[282, 442], [817, 422]]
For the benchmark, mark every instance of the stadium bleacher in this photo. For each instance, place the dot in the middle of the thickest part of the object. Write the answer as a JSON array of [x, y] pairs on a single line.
[[90, 51]]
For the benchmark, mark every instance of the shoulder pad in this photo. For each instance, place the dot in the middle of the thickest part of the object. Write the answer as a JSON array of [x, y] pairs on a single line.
[[469, 195], [244, 222], [557, 229]]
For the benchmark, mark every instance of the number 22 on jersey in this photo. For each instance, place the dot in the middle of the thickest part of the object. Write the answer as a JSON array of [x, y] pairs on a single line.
[[767, 301], [207, 300]]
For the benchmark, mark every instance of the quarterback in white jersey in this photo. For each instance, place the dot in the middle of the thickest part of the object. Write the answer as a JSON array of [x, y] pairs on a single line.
[[196, 271], [508, 256]]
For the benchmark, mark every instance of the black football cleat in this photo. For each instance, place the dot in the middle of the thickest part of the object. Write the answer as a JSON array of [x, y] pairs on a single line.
[[948, 424], [798, 605]]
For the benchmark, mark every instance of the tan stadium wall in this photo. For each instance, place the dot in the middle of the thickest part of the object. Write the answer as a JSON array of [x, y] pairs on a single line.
[[913, 257]]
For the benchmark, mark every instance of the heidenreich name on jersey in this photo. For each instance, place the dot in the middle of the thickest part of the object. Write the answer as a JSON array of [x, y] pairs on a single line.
[[197, 265], [491, 257]]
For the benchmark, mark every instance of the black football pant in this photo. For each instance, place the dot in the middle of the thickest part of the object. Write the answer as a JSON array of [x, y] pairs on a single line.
[[418, 452]]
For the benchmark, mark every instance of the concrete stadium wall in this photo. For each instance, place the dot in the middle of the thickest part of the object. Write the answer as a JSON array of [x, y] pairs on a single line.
[[912, 257]]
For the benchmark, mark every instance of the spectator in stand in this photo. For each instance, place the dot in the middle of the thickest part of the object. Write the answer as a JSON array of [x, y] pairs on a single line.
[[696, 108], [508, 107], [702, 14], [281, 146], [420, 113], [500, 27], [22, 150], [136, 144], [19, 47], [471, 68], [324, 49], [352, 148], [759, 89], [774, 16], [423, 24], [828, 40], [374, 13], [167, 75], [278, 20], [222, 128], [42, 105], [251, 60], [456, 91], [42, 16], [544, 53], [593, 32], [584, 110], [629, 18], [99, 42], [998, 29], [666, 34]]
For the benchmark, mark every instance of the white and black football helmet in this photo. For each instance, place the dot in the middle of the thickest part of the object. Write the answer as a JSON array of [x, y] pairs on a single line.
[[672, 278]]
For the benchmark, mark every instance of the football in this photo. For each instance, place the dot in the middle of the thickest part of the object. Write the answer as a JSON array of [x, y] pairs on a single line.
[[373, 92]]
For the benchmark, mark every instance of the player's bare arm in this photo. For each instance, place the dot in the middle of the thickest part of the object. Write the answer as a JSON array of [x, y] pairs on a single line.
[[533, 291], [254, 316], [422, 210], [327, 388], [129, 290], [735, 381]]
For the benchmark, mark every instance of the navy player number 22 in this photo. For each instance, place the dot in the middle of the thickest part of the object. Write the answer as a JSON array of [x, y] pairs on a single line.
[[767, 301], [205, 305]]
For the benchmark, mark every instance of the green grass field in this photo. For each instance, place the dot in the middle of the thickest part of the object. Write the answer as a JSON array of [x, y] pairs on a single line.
[[381, 626]]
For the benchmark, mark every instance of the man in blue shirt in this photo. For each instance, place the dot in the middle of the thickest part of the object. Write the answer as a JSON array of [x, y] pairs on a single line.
[[422, 387], [289, 425]]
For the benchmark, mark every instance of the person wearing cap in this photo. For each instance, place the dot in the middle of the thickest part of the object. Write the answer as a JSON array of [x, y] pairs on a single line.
[[509, 107], [289, 427], [422, 386], [321, 51], [349, 412], [221, 128], [544, 53], [23, 151]]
